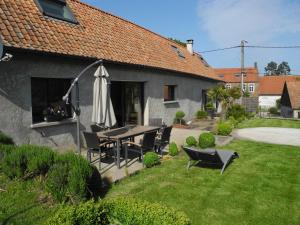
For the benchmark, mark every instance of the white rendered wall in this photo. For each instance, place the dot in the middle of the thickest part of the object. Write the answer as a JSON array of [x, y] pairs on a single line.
[[268, 101]]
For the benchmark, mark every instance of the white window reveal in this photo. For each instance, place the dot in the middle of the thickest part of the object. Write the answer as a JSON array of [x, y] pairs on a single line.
[[251, 87]]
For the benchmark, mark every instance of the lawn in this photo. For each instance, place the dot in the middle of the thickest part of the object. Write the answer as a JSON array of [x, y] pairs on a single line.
[[261, 187], [259, 122], [23, 202]]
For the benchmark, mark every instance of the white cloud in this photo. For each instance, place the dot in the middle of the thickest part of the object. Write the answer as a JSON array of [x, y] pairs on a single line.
[[227, 22]]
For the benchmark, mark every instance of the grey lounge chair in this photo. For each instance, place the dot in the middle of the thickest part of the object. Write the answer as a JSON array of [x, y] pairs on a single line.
[[210, 156]]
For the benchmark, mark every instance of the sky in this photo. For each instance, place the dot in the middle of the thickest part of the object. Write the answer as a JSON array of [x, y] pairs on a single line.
[[214, 24]]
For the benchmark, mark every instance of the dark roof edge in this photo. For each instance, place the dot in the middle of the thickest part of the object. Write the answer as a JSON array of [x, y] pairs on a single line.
[[7, 48]]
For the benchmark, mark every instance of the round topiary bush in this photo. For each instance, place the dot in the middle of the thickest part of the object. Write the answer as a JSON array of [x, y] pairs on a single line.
[[224, 128], [5, 139], [206, 140], [151, 159], [191, 141], [273, 110], [173, 149], [201, 114], [179, 115]]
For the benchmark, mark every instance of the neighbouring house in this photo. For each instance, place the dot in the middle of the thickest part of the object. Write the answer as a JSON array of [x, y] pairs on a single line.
[[232, 78], [290, 99], [270, 89], [52, 41]]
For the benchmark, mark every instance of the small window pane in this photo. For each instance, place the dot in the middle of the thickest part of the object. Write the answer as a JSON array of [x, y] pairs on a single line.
[[169, 93], [57, 9]]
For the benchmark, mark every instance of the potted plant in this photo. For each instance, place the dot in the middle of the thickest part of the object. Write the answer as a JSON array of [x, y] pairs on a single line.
[[210, 109], [52, 114]]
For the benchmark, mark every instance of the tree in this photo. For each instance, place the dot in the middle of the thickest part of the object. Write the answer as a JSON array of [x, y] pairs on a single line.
[[273, 69], [225, 96], [283, 68], [178, 41]]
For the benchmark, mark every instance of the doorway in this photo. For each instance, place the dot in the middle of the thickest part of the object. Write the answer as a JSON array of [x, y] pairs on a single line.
[[127, 99]]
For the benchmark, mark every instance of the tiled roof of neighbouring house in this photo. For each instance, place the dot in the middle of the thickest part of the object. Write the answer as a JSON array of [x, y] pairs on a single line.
[[293, 88], [273, 85], [232, 75], [97, 35]]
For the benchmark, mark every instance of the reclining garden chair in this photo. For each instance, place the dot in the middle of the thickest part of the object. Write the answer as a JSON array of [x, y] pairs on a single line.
[[210, 156]]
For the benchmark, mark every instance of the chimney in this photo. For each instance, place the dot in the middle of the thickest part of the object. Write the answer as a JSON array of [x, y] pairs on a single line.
[[189, 46], [255, 65]]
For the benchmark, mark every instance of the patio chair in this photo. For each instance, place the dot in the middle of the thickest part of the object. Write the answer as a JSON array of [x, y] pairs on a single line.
[[94, 145], [164, 139], [147, 144], [210, 156]]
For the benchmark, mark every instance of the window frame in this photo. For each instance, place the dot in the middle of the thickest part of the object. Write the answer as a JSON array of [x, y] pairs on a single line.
[[228, 86], [61, 2], [251, 85], [171, 93], [245, 87], [179, 53], [47, 83]]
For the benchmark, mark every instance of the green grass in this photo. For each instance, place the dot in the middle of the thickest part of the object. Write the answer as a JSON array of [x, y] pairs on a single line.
[[23, 202], [261, 187], [258, 122]]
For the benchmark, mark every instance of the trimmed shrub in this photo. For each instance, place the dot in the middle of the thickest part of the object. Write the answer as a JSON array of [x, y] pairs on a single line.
[[237, 111], [126, 211], [179, 117], [173, 149], [88, 213], [71, 178], [28, 159], [206, 140], [191, 141], [273, 110], [201, 114], [224, 128], [5, 139], [151, 159], [233, 121]]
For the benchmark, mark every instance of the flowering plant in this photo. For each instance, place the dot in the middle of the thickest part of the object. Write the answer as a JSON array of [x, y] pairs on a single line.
[[56, 113]]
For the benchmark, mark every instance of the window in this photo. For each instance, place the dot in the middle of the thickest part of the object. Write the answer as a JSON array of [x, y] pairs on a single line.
[[244, 87], [228, 86], [203, 61], [57, 9], [169, 93], [251, 87], [179, 53], [46, 99], [221, 75], [237, 74]]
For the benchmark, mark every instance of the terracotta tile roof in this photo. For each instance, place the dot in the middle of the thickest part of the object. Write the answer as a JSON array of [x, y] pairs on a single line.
[[273, 85], [293, 88], [229, 75], [98, 35]]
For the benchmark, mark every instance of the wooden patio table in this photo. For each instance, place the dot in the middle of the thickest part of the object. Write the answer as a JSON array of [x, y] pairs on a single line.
[[124, 133]]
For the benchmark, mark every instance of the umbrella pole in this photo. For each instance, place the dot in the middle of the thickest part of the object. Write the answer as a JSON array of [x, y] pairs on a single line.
[[77, 112]]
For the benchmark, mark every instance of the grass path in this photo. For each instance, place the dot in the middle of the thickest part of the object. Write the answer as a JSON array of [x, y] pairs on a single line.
[[259, 122], [261, 187]]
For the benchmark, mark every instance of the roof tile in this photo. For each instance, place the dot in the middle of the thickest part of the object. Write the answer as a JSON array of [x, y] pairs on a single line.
[[98, 35], [228, 75], [273, 85]]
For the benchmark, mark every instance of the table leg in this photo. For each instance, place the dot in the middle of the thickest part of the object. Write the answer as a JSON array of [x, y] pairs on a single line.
[[118, 153]]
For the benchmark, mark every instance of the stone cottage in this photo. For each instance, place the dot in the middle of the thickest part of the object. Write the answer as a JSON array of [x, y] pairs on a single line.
[[52, 41]]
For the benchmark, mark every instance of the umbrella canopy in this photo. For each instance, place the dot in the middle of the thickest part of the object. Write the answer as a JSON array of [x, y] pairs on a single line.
[[103, 112]]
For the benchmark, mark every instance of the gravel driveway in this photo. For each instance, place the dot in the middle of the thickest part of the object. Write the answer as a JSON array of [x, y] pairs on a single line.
[[273, 135]]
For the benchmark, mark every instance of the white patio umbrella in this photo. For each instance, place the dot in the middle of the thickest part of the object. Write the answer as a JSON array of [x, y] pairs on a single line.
[[103, 112]]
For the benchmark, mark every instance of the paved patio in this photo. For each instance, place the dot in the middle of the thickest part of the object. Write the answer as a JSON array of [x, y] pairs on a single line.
[[111, 173]]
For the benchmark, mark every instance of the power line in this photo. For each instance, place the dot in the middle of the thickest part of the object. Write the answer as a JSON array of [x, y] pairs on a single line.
[[221, 49], [248, 46]]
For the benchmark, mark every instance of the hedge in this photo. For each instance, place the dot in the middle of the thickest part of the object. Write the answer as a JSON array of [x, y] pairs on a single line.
[[125, 211]]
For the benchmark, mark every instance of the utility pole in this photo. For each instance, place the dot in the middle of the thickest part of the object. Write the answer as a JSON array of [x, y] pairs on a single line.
[[242, 64]]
